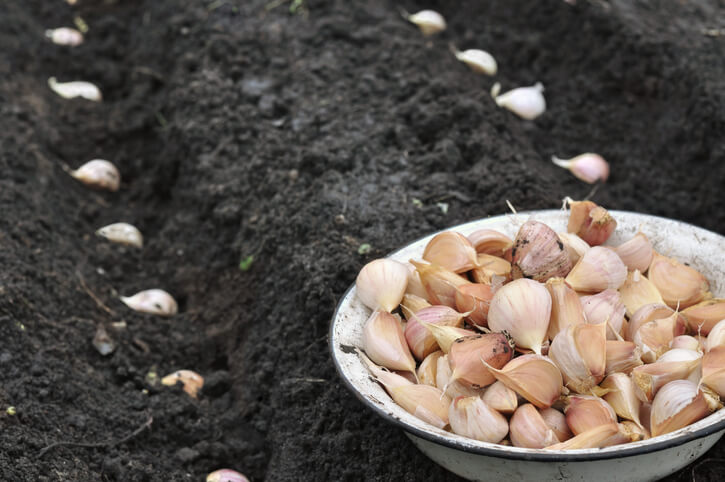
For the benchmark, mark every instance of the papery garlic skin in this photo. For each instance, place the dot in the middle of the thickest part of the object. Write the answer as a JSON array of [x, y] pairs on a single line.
[[622, 398], [702, 317], [76, 88], [588, 167], [529, 429], [597, 270], [428, 21], [65, 36], [226, 475], [534, 377], [473, 418], [385, 344], [501, 398], [122, 233], [388, 379], [479, 61], [680, 285], [574, 245], [381, 284], [452, 251], [98, 174], [580, 353], [586, 412], [677, 405], [154, 301], [526, 102], [538, 253], [423, 401], [191, 381], [636, 253], [637, 291], [605, 307]]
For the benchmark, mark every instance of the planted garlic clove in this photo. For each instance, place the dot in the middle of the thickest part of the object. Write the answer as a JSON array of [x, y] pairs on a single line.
[[647, 313], [479, 61], [622, 356], [428, 369], [607, 308], [473, 418], [428, 21], [654, 337], [423, 401], [501, 398], [588, 167], [452, 388], [439, 283], [226, 475], [452, 251], [155, 302], [590, 222], [475, 298], [446, 335], [679, 404], [622, 396], [522, 308], [466, 355], [122, 233], [598, 437], [385, 344], [716, 337], [98, 174], [65, 36], [191, 381], [538, 253], [685, 341], [585, 412], [556, 422], [490, 267], [636, 253], [713, 370], [419, 338], [637, 291], [388, 379], [599, 269], [526, 102], [490, 241], [580, 352], [381, 284], [530, 430], [566, 308], [574, 245], [676, 364], [76, 88], [411, 304], [415, 285], [680, 285], [702, 317], [534, 377]]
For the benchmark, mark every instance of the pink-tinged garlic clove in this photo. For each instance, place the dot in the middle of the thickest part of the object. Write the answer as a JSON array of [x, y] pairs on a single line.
[[411, 304], [529, 429], [702, 317], [439, 283], [226, 475], [607, 308], [446, 335], [473, 418], [535, 377], [588, 167], [622, 397], [538, 253], [490, 241], [476, 299], [580, 352], [566, 308], [622, 356], [428, 369], [556, 422], [526, 102], [637, 291], [680, 285], [98, 174], [381, 284], [385, 344], [420, 340], [585, 412], [716, 337], [713, 370], [636, 253], [654, 337], [599, 269], [452, 251], [679, 404], [451, 387], [598, 437], [590, 222], [501, 398], [466, 355]]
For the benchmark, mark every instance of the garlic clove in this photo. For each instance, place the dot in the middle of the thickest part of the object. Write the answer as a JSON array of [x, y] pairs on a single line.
[[678, 365], [98, 174], [473, 418], [638, 291], [428, 21], [490, 241], [580, 353], [122, 233], [191, 381], [381, 284], [598, 437], [489, 267], [566, 308], [522, 308], [716, 337], [452, 388], [702, 317], [599, 269], [467, 353], [385, 344], [680, 285], [423, 401], [622, 397], [415, 286], [556, 422], [534, 377], [479, 61], [420, 340], [574, 245], [65, 36], [647, 313], [501, 398], [538, 253], [446, 335], [388, 379], [713, 370], [530, 430], [605, 308], [475, 298], [154, 301], [585, 412], [226, 475], [622, 356], [428, 369], [452, 251], [679, 404], [654, 337], [636, 432], [686, 342], [590, 222], [411, 304], [588, 167], [439, 283], [526, 102], [636, 253], [76, 88]]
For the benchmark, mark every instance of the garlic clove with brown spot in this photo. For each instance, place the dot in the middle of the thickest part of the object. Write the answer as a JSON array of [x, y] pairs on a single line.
[[585, 412], [566, 308], [636, 253], [490, 241], [679, 364], [98, 174], [529, 429], [538, 253], [226, 475], [446, 335], [122, 233], [580, 353], [588, 167], [473, 418], [590, 222], [384, 342], [599, 269], [702, 317], [423, 401], [467, 353], [154, 301], [716, 337], [452, 251], [713, 370], [475, 298], [597, 437], [381, 284], [574, 245], [76, 88], [622, 356], [637, 291], [607, 308], [535, 377], [478, 60], [428, 21], [439, 283], [622, 397], [65, 36], [556, 422], [191, 381], [501, 398], [428, 369], [679, 404], [680, 285], [526, 102]]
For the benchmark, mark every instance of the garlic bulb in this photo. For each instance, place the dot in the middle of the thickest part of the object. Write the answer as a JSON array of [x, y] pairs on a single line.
[[475, 298], [381, 284], [622, 396], [428, 21], [622, 356], [638, 291], [154, 301], [716, 337], [592, 223], [566, 309], [534, 377], [473, 418], [574, 245], [428, 369], [98, 174], [585, 412], [522, 308], [479, 61], [526, 102], [490, 241], [451, 387], [597, 270], [452, 251], [703, 316], [538, 253], [679, 404], [65, 36], [556, 422], [501, 398], [680, 285], [191, 381], [597, 437], [466, 355], [713, 370], [122, 233], [385, 344], [677, 365], [636, 253], [423, 401], [439, 283], [588, 167], [605, 308], [76, 88], [226, 475], [580, 353], [530, 430]]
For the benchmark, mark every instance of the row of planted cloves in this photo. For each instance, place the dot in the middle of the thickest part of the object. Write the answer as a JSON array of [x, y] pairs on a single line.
[[605, 356]]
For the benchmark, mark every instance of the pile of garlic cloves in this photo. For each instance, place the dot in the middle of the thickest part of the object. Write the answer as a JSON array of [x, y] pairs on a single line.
[[546, 341]]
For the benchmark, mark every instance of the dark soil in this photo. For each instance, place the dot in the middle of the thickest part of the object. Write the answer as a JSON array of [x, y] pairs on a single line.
[[295, 135]]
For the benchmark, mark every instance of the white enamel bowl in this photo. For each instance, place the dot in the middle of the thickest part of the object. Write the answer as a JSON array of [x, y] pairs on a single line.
[[647, 460]]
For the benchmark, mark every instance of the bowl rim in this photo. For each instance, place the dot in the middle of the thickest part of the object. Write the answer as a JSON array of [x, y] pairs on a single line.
[[504, 452]]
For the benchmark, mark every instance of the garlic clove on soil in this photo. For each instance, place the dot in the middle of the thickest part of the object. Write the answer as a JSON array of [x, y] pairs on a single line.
[[680, 285], [473, 418], [501, 398], [574, 246], [535, 377], [636, 253], [599, 269], [679, 404], [76, 88], [226, 475], [588, 167], [590, 222], [384, 342], [538, 253], [702, 317], [191, 381], [428, 21], [98, 174], [440, 284], [580, 353], [585, 412], [638, 291], [65, 36], [467, 353], [122, 233], [605, 307], [622, 356], [478, 60], [529, 429], [566, 308], [526, 102], [381, 284], [490, 241], [154, 301]]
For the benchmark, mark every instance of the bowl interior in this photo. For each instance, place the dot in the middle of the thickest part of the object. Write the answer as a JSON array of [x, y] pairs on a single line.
[[702, 249]]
